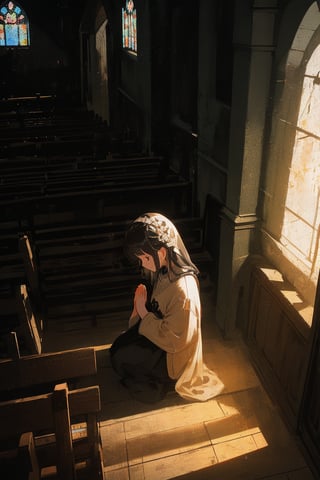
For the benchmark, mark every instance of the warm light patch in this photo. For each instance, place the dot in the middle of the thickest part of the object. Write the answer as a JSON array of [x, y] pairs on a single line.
[[300, 230], [248, 441], [272, 274], [290, 294], [234, 435]]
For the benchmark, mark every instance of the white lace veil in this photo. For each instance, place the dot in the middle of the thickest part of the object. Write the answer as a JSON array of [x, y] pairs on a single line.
[[149, 232]]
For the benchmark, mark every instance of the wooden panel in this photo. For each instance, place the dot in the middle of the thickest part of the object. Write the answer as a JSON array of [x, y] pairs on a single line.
[[310, 411], [279, 339]]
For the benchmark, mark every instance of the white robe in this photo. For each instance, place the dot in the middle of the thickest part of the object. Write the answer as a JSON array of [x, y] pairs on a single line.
[[179, 334]]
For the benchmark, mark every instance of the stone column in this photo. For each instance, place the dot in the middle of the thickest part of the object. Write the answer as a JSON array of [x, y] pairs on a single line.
[[253, 55]]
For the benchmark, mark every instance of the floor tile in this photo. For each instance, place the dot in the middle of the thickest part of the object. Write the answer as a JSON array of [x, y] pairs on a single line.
[[167, 443], [173, 466], [114, 446], [175, 417]]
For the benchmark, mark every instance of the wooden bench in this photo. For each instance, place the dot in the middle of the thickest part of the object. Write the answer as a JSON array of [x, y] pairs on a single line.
[[173, 197], [31, 415], [47, 186], [61, 433], [20, 296], [43, 119], [20, 463], [29, 260], [23, 178], [62, 123], [30, 373], [47, 128], [88, 139], [21, 331], [11, 263], [83, 270], [49, 147]]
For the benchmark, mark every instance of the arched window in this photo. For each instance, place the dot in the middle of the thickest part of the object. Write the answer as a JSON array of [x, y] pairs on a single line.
[[291, 229], [14, 26], [300, 228], [129, 27]]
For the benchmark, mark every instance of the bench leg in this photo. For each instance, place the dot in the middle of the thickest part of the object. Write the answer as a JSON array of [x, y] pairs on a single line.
[[12, 343], [95, 446], [65, 456], [27, 458]]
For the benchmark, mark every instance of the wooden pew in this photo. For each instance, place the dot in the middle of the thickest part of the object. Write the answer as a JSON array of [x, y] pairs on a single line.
[[18, 258], [32, 169], [60, 452], [20, 296], [30, 380], [19, 377], [22, 122], [28, 256], [46, 129], [173, 197], [44, 121], [44, 186], [83, 273], [18, 319], [45, 134], [11, 263], [83, 270], [20, 463], [39, 176]]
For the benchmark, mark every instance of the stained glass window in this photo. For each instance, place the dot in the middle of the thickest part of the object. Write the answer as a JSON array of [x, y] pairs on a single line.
[[129, 27], [14, 26]]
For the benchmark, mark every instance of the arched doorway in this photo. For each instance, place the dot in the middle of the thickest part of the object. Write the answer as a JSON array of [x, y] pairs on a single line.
[[94, 58]]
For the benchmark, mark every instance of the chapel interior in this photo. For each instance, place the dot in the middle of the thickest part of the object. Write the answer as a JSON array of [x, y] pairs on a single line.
[[205, 111]]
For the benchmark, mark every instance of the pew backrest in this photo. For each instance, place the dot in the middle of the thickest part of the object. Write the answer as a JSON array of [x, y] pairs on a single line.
[[31, 370]]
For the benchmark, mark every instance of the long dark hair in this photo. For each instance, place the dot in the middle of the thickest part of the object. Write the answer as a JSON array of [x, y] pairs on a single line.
[[151, 231]]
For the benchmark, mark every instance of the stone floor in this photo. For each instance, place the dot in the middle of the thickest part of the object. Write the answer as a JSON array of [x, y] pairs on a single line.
[[238, 435]]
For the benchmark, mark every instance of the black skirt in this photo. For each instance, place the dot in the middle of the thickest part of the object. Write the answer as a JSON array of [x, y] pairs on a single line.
[[141, 365]]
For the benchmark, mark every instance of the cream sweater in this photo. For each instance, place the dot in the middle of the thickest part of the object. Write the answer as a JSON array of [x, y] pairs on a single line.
[[179, 334]]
